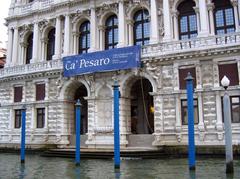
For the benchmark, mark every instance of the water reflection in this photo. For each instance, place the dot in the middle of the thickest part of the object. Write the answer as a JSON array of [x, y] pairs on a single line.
[[192, 174], [22, 171], [77, 172], [55, 168], [117, 173]]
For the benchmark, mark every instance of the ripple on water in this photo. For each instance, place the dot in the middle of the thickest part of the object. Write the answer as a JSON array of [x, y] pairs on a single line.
[[37, 167]]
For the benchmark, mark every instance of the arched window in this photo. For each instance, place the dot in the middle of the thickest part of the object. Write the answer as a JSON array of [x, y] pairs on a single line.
[[111, 32], [51, 44], [187, 20], [141, 27], [223, 17], [29, 48], [84, 37]]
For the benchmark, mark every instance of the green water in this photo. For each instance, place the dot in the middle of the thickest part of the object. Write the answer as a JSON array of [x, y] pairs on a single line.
[[37, 167]]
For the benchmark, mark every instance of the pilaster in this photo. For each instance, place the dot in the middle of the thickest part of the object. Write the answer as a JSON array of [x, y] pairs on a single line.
[[154, 35]]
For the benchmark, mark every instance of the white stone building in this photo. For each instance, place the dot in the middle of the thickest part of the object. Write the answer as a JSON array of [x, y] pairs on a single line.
[[177, 36]]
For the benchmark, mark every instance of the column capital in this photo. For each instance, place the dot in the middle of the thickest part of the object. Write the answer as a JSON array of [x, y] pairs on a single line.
[[196, 9], [101, 27], [175, 13], [210, 6], [234, 2]]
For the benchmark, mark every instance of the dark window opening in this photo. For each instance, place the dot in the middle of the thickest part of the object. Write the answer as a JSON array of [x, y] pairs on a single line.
[[40, 117], [29, 48], [18, 91], [141, 27], [142, 108], [230, 71], [183, 74], [111, 32], [235, 109], [187, 20], [51, 44], [84, 37], [18, 118], [81, 92], [40, 92], [223, 17], [185, 113]]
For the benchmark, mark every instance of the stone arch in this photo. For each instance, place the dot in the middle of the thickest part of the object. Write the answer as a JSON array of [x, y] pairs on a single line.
[[25, 36], [105, 15], [68, 90], [136, 8], [131, 78], [46, 30], [176, 4], [79, 21]]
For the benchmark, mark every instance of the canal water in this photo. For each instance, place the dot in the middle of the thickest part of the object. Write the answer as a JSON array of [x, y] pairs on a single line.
[[37, 167]]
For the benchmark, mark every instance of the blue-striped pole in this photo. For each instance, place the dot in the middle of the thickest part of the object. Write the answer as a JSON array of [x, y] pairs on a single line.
[[78, 127], [190, 109], [23, 133], [116, 126]]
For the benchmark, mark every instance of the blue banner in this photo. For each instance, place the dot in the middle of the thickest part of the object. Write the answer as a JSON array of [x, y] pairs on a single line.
[[108, 60]]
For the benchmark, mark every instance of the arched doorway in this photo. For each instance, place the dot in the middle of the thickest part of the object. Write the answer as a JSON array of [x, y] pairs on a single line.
[[80, 93], [142, 117]]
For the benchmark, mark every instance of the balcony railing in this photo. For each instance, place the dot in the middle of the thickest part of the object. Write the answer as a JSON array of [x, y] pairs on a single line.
[[31, 68], [35, 6], [160, 49], [191, 44]]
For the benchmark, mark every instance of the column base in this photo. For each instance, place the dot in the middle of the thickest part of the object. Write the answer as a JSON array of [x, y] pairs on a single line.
[[219, 127]]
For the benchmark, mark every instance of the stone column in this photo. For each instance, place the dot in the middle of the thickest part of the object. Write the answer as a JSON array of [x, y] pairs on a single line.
[[75, 38], [154, 35], [203, 18], [198, 18], [130, 32], [101, 37], [198, 76], [35, 43], [238, 65], [215, 75], [93, 27], [67, 35], [211, 18], [57, 52], [167, 21], [200, 114], [238, 9], [178, 113], [219, 124], [236, 17], [46, 89], [15, 46], [121, 24], [9, 47], [23, 46], [175, 22], [43, 49]]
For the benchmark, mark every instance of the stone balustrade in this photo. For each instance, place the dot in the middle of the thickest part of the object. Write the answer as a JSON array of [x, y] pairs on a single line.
[[34, 6], [160, 49], [30, 68], [198, 44]]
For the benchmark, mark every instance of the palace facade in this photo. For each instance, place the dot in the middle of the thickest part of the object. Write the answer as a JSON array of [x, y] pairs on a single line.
[[177, 37]]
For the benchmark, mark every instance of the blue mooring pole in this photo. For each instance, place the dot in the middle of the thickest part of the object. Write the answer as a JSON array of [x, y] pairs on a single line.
[[78, 127], [190, 109], [116, 126], [23, 133]]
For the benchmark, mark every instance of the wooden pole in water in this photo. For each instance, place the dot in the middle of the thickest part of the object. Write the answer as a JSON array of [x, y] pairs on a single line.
[[228, 127]]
